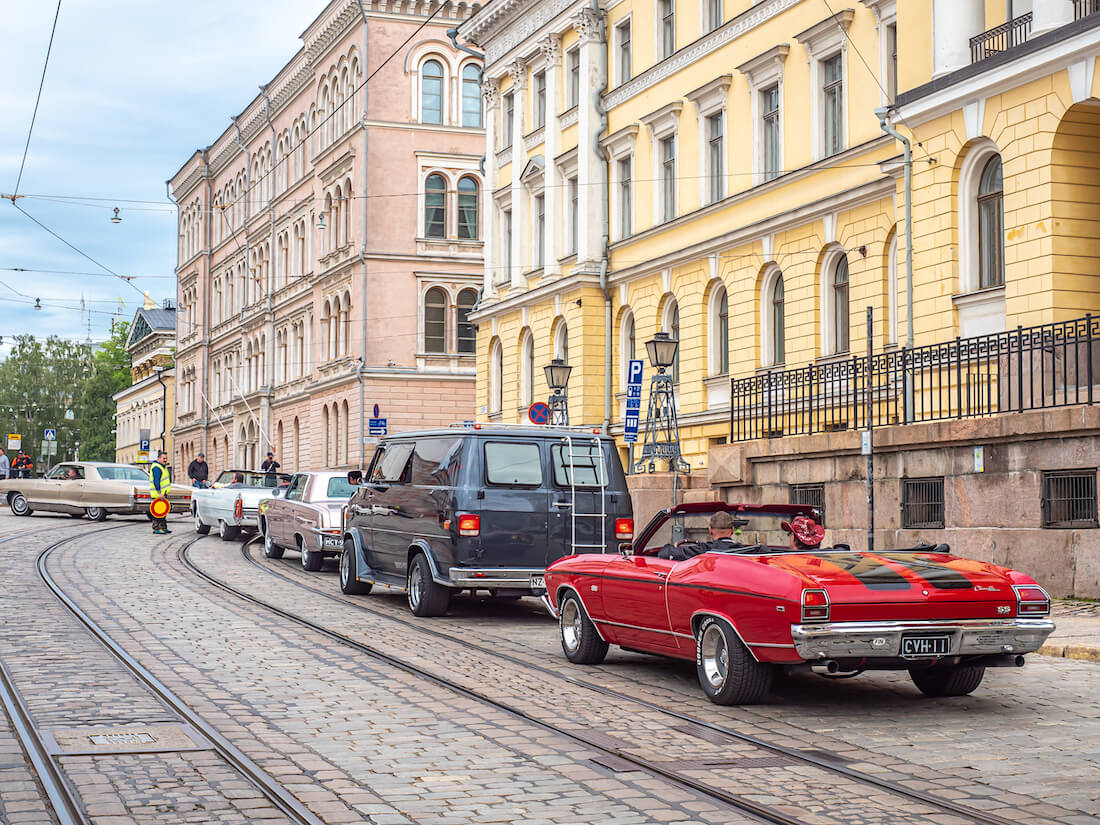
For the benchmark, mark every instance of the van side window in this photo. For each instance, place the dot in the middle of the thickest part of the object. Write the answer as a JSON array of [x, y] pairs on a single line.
[[512, 464], [430, 465], [582, 465], [392, 467]]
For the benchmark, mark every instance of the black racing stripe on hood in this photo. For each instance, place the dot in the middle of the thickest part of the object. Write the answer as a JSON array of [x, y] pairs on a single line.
[[870, 572], [935, 573]]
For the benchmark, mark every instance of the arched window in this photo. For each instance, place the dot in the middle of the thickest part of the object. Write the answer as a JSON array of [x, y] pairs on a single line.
[[840, 305], [991, 235], [892, 289], [435, 320], [778, 322], [496, 370], [561, 342], [467, 209], [435, 207], [471, 96], [628, 343], [465, 329], [527, 369], [720, 332], [431, 92], [672, 327]]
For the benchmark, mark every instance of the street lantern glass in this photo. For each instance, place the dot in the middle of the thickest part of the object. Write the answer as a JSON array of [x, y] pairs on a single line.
[[557, 374], [662, 350]]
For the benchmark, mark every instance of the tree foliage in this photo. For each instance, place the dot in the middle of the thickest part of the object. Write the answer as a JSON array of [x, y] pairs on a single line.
[[110, 373]]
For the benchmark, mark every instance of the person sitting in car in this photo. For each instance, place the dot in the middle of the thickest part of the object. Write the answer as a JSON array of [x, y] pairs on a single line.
[[721, 528], [238, 482]]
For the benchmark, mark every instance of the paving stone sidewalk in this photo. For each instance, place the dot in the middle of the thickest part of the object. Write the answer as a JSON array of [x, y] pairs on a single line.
[[1078, 633]]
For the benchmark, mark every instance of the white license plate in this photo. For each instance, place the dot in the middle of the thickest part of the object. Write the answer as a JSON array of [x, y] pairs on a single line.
[[332, 541], [538, 582], [925, 645]]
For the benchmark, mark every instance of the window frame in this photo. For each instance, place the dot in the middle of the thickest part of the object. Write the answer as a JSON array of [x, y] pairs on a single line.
[[459, 196], [485, 464], [666, 159], [833, 105], [992, 201], [463, 322], [573, 74], [624, 52], [773, 343], [908, 485], [507, 119], [538, 100], [464, 84], [665, 18], [1090, 520], [442, 207], [442, 320], [442, 93]]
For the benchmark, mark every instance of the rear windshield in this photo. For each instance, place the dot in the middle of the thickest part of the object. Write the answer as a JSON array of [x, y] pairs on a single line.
[[339, 488], [122, 474], [582, 465], [518, 465]]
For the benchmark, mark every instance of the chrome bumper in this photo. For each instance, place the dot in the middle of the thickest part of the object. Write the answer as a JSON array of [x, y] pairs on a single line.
[[553, 611], [969, 637], [493, 577]]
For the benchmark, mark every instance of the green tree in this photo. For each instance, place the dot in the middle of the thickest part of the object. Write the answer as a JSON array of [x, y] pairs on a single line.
[[110, 373]]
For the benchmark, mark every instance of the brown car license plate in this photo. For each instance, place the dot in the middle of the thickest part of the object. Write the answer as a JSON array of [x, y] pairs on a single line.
[[926, 645]]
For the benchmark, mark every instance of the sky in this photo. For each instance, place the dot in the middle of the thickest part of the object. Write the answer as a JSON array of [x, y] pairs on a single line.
[[133, 87]]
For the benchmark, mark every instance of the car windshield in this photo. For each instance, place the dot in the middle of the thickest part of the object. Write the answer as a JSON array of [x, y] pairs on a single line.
[[339, 488], [752, 529], [252, 479], [122, 473]]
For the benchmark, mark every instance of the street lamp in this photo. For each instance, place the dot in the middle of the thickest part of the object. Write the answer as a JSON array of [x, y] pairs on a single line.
[[557, 378], [662, 430], [662, 350]]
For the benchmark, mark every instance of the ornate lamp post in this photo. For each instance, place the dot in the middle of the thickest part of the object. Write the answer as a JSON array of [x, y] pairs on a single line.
[[557, 379], [662, 431]]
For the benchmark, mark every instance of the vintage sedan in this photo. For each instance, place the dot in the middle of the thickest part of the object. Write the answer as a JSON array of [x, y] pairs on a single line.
[[234, 506], [755, 604], [88, 488], [307, 517]]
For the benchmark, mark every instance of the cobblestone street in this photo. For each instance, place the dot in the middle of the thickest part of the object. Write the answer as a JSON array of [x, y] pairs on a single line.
[[498, 726]]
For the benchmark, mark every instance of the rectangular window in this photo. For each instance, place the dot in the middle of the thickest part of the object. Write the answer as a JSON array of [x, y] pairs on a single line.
[[922, 503], [715, 158], [626, 198], [435, 321], [506, 273], [430, 459], [514, 465], [540, 100], [810, 495], [574, 214], [833, 104], [892, 61], [574, 58], [1069, 498], [714, 14], [668, 178], [769, 107], [625, 66], [507, 118], [666, 10], [393, 464], [540, 230], [582, 465]]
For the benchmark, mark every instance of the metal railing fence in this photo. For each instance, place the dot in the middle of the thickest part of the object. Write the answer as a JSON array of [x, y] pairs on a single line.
[[1000, 38]]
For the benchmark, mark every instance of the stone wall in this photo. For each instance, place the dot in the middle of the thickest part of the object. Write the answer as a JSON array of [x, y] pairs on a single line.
[[994, 515]]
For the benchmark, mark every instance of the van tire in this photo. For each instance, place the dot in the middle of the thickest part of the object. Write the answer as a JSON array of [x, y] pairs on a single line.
[[349, 584], [580, 641], [426, 598]]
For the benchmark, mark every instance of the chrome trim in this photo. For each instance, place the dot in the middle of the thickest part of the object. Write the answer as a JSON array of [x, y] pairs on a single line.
[[883, 639], [828, 603], [1016, 591], [553, 611], [510, 577]]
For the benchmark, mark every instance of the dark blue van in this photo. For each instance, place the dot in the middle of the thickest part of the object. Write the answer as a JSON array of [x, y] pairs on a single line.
[[481, 508]]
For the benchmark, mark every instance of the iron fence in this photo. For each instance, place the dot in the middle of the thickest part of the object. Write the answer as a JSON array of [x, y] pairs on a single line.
[[1083, 8], [1000, 38], [1028, 368]]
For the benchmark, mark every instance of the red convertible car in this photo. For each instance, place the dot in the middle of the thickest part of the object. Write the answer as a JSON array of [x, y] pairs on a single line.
[[762, 595]]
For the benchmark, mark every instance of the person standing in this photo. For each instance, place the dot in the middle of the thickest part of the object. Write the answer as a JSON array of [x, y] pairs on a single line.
[[269, 467], [160, 484], [198, 471], [5, 465], [22, 466]]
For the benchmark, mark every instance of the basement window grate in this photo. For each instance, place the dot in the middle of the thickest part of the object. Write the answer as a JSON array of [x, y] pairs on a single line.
[[1069, 498], [810, 495], [922, 503]]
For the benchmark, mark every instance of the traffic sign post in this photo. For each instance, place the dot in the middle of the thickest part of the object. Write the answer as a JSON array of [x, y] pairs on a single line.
[[539, 413], [49, 434], [633, 401]]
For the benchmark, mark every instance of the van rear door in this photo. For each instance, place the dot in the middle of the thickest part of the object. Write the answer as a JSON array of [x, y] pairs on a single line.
[[582, 515], [514, 504]]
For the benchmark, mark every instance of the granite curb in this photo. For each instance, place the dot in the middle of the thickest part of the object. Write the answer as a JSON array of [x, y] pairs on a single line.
[[1078, 633]]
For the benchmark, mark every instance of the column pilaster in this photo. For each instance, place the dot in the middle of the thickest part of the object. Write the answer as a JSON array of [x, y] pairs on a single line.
[[589, 164], [954, 22], [518, 71], [552, 197], [490, 92]]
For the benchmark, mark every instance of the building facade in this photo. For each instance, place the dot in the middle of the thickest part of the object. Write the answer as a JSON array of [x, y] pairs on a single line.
[[718, 171], [330, 246], [149, 403]]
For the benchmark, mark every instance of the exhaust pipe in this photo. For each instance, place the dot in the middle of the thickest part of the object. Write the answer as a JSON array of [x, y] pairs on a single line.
[[829, 668]]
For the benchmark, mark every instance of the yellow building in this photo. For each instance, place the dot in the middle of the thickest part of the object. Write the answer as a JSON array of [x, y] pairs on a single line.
[[149, 403], [749, 196]]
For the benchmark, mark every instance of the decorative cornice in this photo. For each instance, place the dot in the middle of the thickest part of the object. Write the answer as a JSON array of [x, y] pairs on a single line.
[[775, 56], [568, 119], [513, 22]]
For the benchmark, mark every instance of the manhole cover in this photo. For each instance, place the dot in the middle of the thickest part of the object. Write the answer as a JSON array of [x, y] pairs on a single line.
[[121, 739], [157, 738]]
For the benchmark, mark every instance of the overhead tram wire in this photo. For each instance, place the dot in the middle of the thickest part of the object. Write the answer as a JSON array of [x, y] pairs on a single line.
[[37, 101]]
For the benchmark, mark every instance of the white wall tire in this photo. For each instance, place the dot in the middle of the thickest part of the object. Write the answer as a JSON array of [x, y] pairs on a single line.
[[18, 504]]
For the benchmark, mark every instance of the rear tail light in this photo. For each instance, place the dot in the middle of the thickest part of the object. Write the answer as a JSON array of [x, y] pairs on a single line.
[[815, 606], [469, 525], [1031, 600], [624, 528], [238, 508]]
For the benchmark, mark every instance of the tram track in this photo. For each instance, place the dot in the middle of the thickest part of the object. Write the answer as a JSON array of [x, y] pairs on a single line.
[[61, 794], [745, 805]]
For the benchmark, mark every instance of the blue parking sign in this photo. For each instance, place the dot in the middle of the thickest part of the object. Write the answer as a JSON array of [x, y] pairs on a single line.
[[633, 401]]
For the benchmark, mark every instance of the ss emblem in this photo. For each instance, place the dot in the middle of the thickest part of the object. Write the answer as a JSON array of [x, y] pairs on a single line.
[[1003, 609]]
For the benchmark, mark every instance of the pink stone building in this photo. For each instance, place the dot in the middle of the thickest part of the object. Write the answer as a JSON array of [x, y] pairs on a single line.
[[330, 246]]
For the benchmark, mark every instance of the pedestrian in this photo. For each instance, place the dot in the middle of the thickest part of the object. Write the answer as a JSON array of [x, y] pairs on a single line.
[[269, 467], [160, 484], [22, 467], [198, 471], [5, 465]]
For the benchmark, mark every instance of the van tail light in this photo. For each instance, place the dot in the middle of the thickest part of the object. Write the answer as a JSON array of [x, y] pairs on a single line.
[[1031, 600], [469, 525], [238, 508], [815, 606], [624, 528]]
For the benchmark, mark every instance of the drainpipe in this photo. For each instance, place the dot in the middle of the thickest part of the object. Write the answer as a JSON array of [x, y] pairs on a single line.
[[244, 225], [363, 251], [270, 348], [884, 113], [597, 95]]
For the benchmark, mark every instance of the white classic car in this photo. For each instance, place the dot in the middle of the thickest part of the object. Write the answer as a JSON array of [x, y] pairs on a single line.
[[232, 503], [306, 517]]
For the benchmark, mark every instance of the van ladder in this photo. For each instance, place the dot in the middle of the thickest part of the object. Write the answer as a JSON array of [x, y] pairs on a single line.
[[598, 465]]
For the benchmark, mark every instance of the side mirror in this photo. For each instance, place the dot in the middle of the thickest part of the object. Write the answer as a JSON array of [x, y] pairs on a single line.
[[625, 548], [276, 493], [355, 477]]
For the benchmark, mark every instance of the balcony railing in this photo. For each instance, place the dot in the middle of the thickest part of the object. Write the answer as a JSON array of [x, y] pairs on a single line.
[[1029, 368], [1083, 8], [1000, 39]]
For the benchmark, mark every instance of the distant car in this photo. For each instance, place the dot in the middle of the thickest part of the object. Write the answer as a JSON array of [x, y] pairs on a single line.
[[99, 488], [233, 509], [744, 611], [306, 517]]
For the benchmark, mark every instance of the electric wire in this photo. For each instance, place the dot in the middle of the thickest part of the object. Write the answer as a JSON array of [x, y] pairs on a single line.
[[37, 101]]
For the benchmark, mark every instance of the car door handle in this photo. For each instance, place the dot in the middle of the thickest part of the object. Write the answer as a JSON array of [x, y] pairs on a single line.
[[561, 504], [661, 573]]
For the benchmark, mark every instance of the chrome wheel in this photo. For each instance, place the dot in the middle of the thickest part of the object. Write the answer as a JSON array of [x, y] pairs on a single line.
[[571, 627], [18, 505], [345, 569], [714, 656], [96, 513], [416, 587]]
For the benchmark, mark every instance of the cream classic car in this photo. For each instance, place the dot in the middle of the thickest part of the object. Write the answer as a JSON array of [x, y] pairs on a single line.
[[306, 517], [88, 488]]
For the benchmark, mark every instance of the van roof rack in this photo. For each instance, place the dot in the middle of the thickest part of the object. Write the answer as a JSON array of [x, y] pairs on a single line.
[[490, 425]]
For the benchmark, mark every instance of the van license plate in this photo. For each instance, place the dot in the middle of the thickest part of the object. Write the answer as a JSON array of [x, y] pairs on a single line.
[[925, 645], [538, 582], [332, 541]]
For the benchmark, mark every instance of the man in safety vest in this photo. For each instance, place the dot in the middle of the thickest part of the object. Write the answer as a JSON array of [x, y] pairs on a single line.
[[160, 485]]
